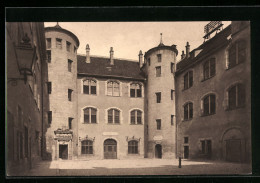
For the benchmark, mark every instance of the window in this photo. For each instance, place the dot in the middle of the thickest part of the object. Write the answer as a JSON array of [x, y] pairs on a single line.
[[136, 117], [172, 120], [113, 116], [133, 147], [48, 43], [236, 54], [68, 46], [186, 140], [70, 123], [209, 68], [236, 96], [188, 80], [158, 97], [209, 105], [172, 67], [206, 147], [159, 57], [188, 111], [90, 115], [172, 94], [89, 87], [135, 90], [158, 71], [87, 147], [49, 117], [58, 43], [158, 124], [113, 88], [75, 49], [70, 94], [48, 55], [69, 65], [49, 88], [149, 61]]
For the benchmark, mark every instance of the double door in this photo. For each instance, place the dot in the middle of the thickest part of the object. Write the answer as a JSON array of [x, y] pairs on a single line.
[[110, 149]]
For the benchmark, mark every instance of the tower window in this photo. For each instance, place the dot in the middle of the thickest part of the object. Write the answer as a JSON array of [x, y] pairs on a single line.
[[49, 88], [70, 94], [158, 97], [172, 120], [68, 46], [70, 123], [58, 43], [158, 71], [172, 94], [158, 124], [172, 67], [48, 43], [48, 55], [49, 117], [159, 57], [69, 65]]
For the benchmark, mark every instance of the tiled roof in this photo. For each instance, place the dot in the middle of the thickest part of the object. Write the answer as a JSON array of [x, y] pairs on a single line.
[[206, 48], [100, 66]]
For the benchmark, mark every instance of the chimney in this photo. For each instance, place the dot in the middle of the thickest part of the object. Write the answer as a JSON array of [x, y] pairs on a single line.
[[187, 50], [140, 58], [87, 54], [111, 56], [182, 55]]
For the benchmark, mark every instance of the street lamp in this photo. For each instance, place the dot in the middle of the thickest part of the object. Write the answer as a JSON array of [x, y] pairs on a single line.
[[25, 55]]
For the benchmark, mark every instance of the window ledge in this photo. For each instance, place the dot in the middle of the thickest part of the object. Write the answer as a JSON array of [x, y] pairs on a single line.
[[205, 79], [89, 94], [204, 115], [89, 123], [136, 124], [113, 123], [235, 108], [133, 154], [234, 66]]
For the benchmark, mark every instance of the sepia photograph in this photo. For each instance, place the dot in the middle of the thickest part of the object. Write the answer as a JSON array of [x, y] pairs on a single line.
[[128, 98]]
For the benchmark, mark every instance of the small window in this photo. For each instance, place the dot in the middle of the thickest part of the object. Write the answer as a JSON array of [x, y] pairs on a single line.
[[68, 46], [49, 87], [236, 96], [87, 147], [70, 94], [186, 140], [158, 71], [172, 94], [149, 61], [159, 57], [70, 123], [158, 124], [209, 104], [188, 80], [133, 147], [48, 43], [90, 115], [172, 67], [236, 54], [188, 111], [58, 43], [48, 55], [135, 90], [206, 147], [69, 65], [158, 97], [75, 49], [209, 68], [49, 117], [90, 87], [113, 88], [113, 116], [172, 120], [136, 117]]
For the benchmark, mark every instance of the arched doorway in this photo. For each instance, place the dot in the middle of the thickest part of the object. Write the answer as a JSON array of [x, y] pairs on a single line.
[[110, 149], [158, 151], [233, 145]]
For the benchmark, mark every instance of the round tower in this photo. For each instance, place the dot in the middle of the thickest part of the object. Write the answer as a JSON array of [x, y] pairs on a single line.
[[160, 101], [61, 135]]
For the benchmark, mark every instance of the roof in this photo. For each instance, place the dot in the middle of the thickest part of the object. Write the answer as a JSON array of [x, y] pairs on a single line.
[[162, 46], [207, 48], [100, 66], [59, 29]]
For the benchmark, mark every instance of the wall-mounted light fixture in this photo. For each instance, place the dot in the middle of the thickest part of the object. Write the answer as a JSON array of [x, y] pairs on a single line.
[[26, 54]]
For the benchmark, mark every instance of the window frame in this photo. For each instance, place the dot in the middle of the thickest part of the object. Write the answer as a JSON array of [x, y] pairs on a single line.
[[188, 108], [88, 147], [188, 83], [158, 97], [70, 91], [158, 124], [113, 88], [134, 115], [209, 103], [89, 86], [133, 87], [239, 98], [58, 40], [237, 52], [114, 116], [70, 65], [157, 69], [208, 64], [159, 57], [133, 149], [92, 115], [68, 46], [48, 56], [48, 43]]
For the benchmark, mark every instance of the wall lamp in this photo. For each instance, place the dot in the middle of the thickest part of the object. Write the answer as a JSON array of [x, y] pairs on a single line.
[[25, 55]]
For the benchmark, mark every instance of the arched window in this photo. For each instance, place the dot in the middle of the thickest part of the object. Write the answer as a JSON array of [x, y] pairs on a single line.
[[87, 147], [113, 116], [188, 111], [113, 88], [90, 115], [236, 96], [89, 87], [188, 80], [209, 104], [133, 147], [135, 90], [209, 68], [136, 117], [236, 53]]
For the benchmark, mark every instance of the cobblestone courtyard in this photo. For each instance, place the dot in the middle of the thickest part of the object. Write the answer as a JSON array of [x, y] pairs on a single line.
[[134, 167]]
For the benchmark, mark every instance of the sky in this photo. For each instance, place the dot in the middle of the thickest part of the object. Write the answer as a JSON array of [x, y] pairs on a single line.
[[128, 38]]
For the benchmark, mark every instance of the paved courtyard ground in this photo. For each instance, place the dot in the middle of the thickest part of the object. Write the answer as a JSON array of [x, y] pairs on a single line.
[[135, 167]]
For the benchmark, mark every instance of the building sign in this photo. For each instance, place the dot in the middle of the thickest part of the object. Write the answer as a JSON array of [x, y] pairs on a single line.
[[110, 133], [63, 135], [159, 137]]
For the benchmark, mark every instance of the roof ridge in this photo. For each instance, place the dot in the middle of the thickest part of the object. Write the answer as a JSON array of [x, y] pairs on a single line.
[[115, 58]]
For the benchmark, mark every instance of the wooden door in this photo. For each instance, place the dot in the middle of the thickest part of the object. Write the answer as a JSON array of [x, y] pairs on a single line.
[[233, 150], [110, 149]]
